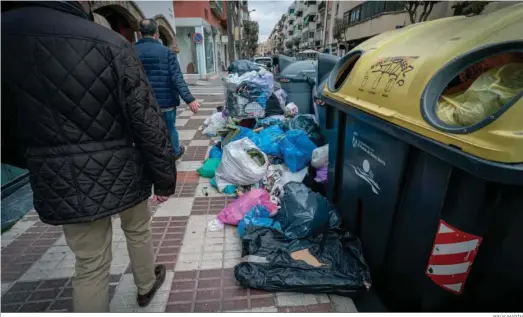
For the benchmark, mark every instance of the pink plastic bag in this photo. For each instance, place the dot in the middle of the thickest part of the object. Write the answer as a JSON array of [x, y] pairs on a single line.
[[234, 212]]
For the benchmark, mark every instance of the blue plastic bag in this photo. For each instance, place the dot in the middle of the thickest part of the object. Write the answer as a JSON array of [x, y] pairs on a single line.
[[238, 135], [296, 149], [258, 216], [269, 140], [215, 152]]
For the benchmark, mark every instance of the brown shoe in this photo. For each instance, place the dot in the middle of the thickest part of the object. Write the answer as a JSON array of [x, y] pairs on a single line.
[[182, 152], [160, 272]]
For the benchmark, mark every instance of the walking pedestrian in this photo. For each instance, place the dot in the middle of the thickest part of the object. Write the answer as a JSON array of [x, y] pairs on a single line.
[[79, 114], [166, 78]]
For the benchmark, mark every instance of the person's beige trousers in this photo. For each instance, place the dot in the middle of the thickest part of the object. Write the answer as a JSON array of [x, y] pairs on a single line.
[[91, 244]]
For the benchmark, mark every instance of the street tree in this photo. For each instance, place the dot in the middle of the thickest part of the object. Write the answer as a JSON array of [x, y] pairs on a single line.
[[469, 7], [250, 35], [413, 7]]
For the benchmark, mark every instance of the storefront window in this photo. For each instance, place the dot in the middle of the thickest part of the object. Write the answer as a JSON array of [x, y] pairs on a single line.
[[209, 52]]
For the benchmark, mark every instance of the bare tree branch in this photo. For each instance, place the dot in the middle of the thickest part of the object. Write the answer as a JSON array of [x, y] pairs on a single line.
[[412, 9]]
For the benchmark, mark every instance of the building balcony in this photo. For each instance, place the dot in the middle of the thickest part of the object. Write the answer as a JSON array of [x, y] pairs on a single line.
[[217, 8], [299, 7], [311, 10], [291, 18]]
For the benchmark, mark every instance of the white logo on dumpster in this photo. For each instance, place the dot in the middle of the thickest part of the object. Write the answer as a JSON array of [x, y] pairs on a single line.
[[366, 174]]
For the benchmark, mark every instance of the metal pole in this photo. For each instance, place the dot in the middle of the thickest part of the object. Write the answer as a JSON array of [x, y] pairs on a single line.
[[230, 30]]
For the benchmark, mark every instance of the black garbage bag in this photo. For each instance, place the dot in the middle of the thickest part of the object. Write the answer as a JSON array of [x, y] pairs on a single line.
[[304, 213], [273, 106], [242, 66], [328, 263], [307, 124]]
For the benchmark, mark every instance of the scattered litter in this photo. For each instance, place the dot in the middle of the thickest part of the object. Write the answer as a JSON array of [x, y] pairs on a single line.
[[213, 124], [279, 175], [320, 157], [291, 109], [229, 189], [321, 175], [215, 225]]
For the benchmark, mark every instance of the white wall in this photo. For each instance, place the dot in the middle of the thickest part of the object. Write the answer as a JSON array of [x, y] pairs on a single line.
[[186, 46], [152, 8]]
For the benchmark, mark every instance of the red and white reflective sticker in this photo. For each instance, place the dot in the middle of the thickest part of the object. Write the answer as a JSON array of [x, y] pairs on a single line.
[[452, 256]]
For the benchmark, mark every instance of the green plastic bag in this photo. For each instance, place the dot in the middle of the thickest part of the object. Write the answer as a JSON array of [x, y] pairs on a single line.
[[209, 167]]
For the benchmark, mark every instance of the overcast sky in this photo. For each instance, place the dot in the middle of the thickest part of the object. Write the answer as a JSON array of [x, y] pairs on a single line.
[[267, 14]]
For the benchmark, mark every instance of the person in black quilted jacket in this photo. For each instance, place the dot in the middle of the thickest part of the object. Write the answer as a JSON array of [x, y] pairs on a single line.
[[80, 115], [166, 78]]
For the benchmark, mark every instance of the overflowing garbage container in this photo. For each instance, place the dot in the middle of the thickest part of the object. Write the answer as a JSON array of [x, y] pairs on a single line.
[[426, 162], [297, 78]]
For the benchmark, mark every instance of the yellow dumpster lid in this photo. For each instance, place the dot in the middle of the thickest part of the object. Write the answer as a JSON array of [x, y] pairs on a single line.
[[394, 68]]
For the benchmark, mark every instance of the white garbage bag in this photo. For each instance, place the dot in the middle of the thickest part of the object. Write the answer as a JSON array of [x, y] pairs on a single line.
[[320, 157], [238, 167], [214, 123]]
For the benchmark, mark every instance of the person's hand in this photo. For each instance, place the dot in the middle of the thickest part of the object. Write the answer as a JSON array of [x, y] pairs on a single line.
[[160, 199], [194, 106]]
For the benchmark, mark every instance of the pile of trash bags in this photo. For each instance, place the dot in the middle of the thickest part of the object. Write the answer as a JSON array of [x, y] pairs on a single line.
[[251, 92], [275, 161], [301, 248]]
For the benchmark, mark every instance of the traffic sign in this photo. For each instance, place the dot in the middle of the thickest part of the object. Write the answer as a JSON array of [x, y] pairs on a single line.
[[197, 38]]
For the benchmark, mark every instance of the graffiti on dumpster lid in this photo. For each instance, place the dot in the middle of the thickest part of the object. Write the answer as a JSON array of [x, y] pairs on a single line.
[[388, 73]]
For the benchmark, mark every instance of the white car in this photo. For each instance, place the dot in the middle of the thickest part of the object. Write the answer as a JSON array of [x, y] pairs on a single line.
[[265, 62]]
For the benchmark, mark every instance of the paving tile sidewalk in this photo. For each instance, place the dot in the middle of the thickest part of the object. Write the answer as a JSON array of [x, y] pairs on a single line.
[[37, 265]]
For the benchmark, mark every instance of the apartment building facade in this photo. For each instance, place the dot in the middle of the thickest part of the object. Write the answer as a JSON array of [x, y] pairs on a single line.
[[363, 20]]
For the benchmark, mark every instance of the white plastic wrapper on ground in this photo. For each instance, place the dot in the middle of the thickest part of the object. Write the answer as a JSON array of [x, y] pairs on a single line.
[[214, 123]]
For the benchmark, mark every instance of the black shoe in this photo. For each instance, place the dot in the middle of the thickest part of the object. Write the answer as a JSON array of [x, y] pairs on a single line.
[[160, 272], [182, 152]]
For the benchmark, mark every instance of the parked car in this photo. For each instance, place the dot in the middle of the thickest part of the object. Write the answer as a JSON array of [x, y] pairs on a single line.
[[265, 62]]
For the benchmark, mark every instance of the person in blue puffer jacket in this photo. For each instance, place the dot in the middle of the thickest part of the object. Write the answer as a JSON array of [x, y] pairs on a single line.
[[166, 78]]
